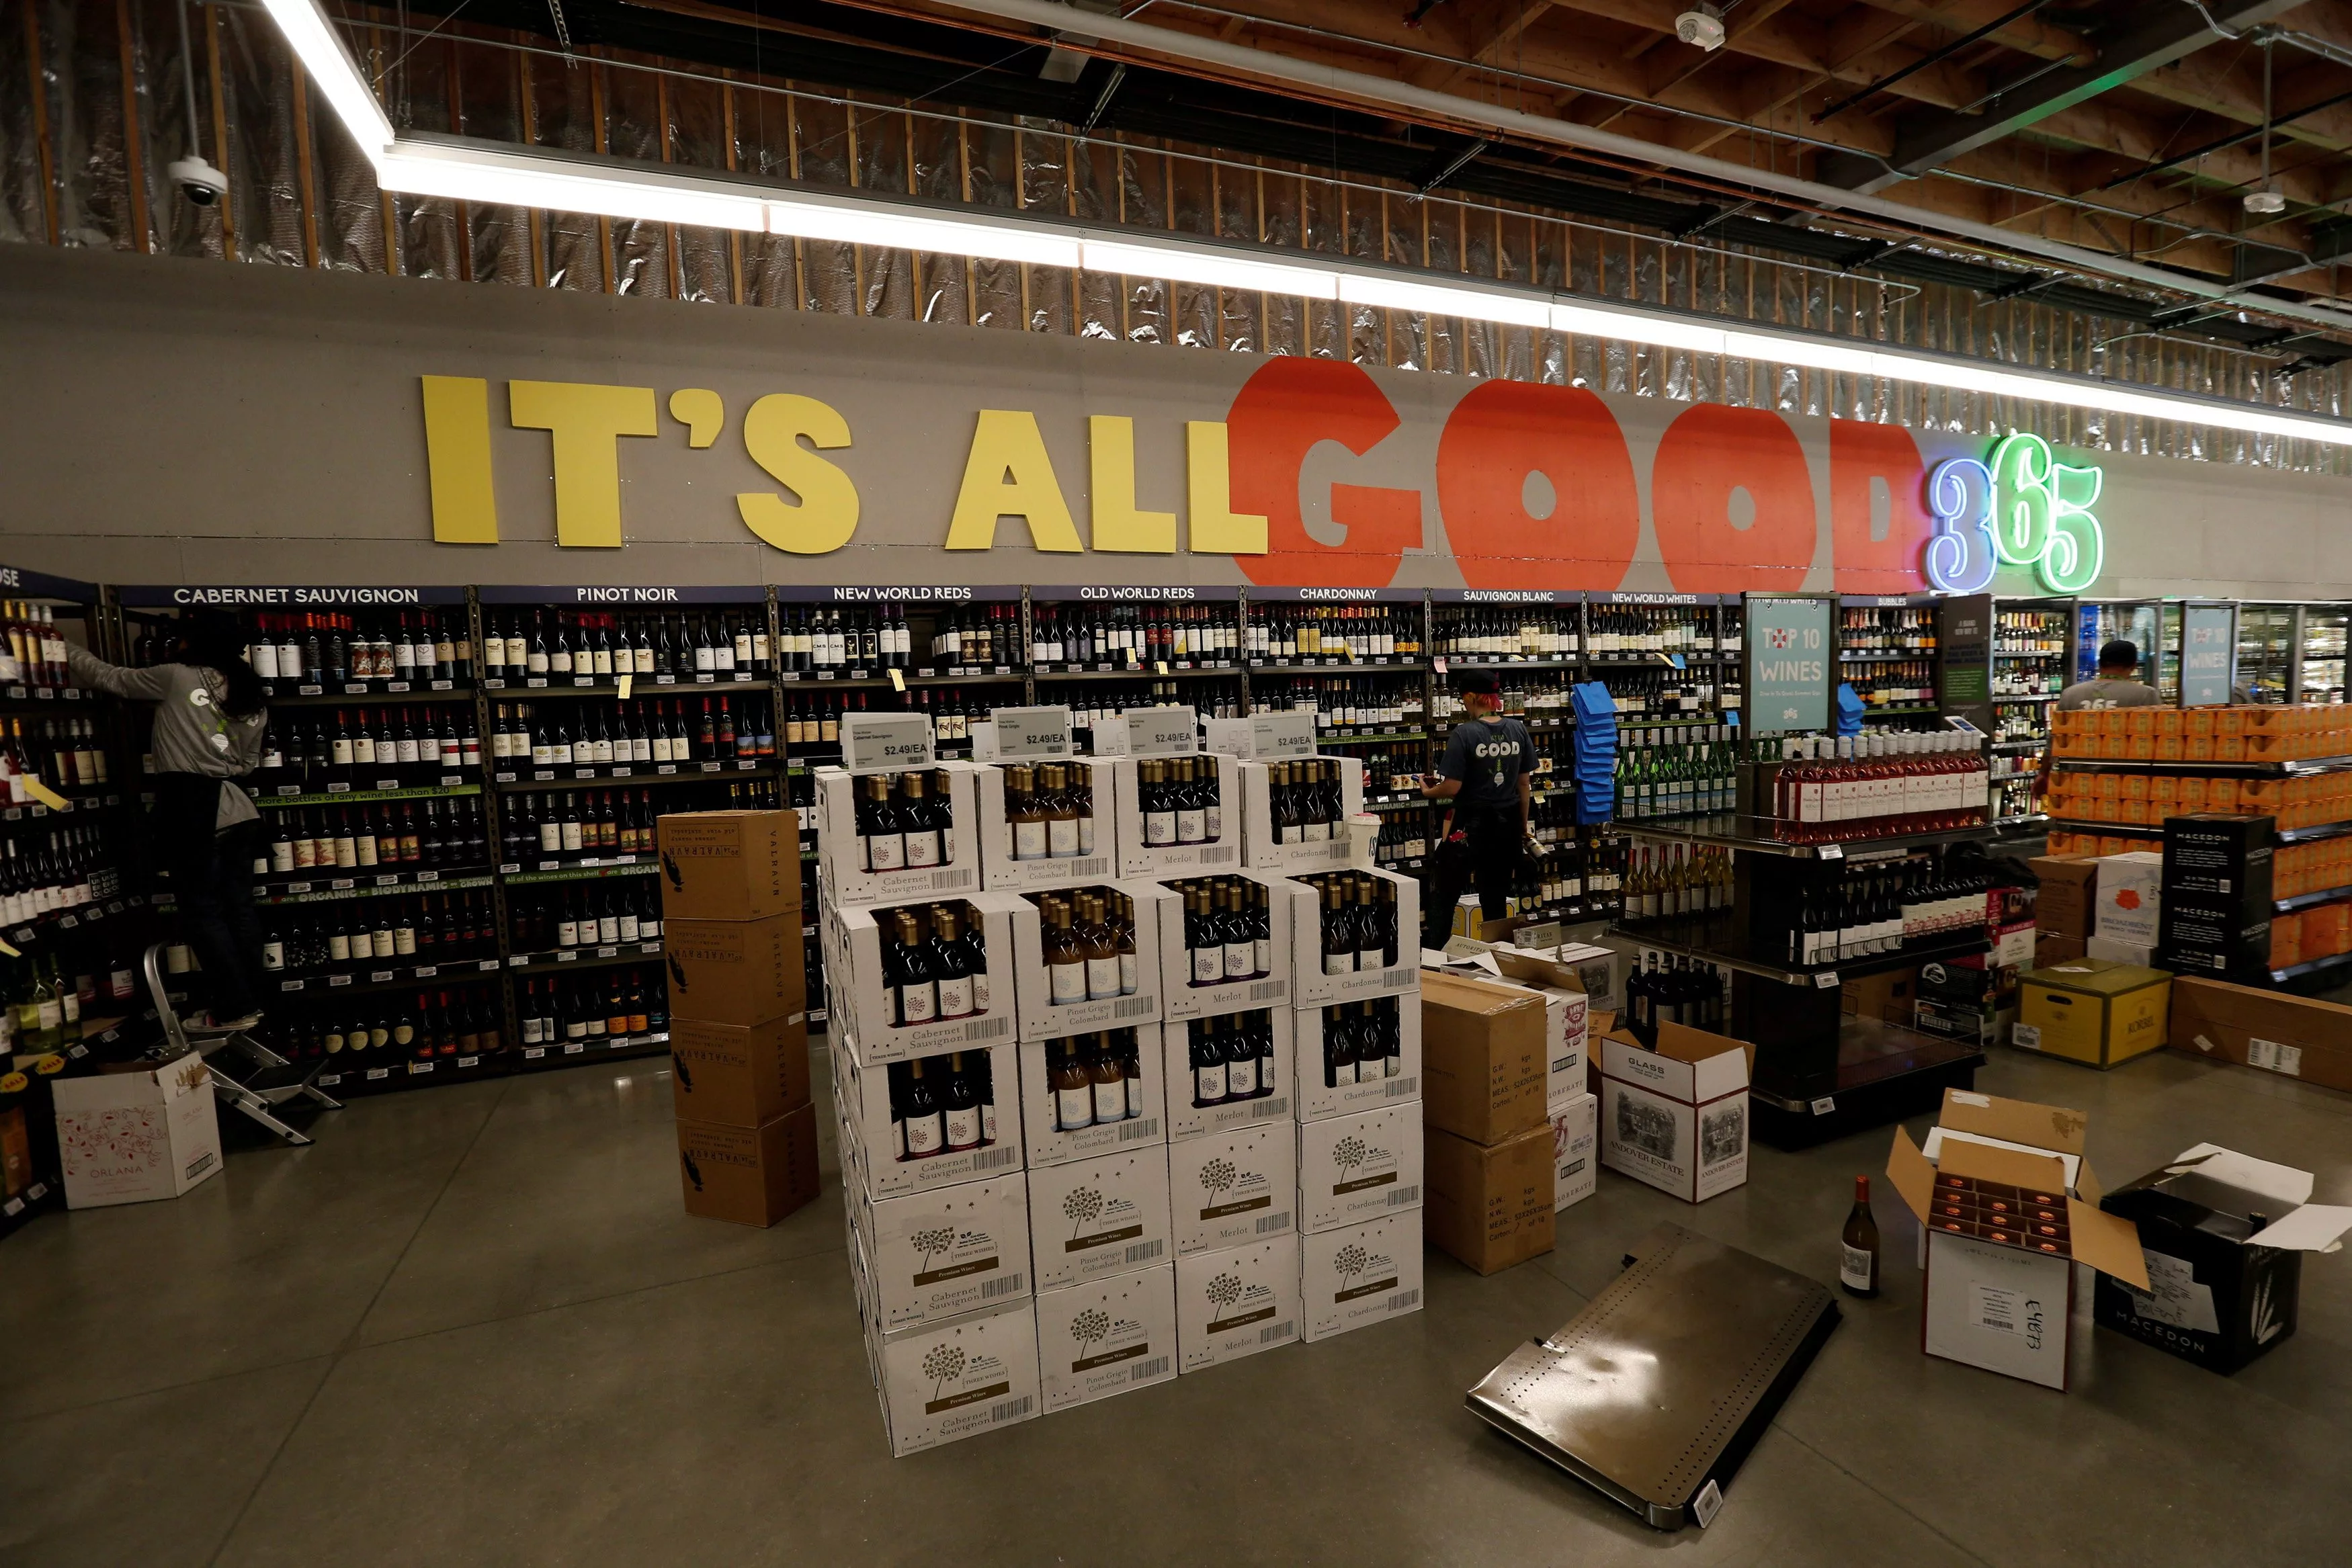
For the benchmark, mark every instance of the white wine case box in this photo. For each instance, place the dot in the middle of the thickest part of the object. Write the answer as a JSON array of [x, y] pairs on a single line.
[[1106, 1337], [947, 1381], [1315, 1094], [1360, 1274], [1237, 1301], [1093, 1219], [1355, 1169], [853, 945], [1060, 1123], [1184, 1000], [1259, 848], [1575, 1150], [1234, 1188], [843, 855], [1014, 856], [1318, 978], [863, 1098], [1192, 1113], [941, 1253], [1042, 1017], [1220, 849]]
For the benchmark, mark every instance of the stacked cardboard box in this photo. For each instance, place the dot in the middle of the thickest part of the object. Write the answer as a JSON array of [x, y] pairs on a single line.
[[2217, 896], [739, 1013], [1488, 1047], [927, 1090]]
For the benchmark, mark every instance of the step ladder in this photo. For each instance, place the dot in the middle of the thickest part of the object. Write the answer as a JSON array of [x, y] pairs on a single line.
[[246, 1075]]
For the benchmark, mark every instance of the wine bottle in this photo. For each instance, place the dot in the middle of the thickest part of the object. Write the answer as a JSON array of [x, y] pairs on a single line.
[[1858, 1264]]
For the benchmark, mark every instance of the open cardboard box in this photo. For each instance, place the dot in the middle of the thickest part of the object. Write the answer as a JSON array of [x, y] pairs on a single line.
[[2007, 1205], [1568, 1016], [2222, 1289], [1677, 1117]]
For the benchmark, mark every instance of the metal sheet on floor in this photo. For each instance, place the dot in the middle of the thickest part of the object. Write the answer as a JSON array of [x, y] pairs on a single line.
[[1655, 1392]]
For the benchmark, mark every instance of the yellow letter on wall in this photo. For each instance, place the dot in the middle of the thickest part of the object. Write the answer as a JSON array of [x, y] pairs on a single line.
[[1009, 475], [458, 456], [587, 421], [1217, 528], [1110, 455], [826, 513]]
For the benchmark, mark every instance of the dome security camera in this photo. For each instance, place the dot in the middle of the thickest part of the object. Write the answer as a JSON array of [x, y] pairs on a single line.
[[198, 181], [2267, 203], [1701, 25]]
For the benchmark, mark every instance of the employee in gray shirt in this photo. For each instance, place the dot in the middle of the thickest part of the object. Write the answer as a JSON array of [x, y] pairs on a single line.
[[1484, 774], [210, 713], [2118, 685]]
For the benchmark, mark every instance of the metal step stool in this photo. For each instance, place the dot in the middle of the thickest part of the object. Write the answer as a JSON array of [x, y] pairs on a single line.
[[268, 1080]]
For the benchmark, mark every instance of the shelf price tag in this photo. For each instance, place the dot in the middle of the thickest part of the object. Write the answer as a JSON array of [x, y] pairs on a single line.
[[625, 682], [45, 795], [1826, 981], [1830, 851], [1825, 1106], [897, 681]]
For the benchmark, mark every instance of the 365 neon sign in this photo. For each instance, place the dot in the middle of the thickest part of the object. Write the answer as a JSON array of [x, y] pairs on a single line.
[[2021, 507]]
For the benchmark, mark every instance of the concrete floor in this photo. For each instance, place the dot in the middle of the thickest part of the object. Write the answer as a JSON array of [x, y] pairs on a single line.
[[471, 1325]]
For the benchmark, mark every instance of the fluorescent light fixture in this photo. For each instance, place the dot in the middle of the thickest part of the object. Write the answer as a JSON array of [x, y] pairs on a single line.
[[866, 223], [1661, 331], [1510, 309], [1185, 263], [321, 49], [531, 178], [1814, 353], [530, 182]]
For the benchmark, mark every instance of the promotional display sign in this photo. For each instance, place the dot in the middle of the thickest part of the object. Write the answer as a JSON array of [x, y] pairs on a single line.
[[2209, 654], [1964, 635], [1792, 661]]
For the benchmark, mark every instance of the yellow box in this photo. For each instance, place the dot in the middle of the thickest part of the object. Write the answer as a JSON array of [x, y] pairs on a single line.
[[2165, 789], [2229, 748], [2229, 721], [2169, 721], [2222, 794], [2140, 721], [2199, 749], [2194, 793], [2110, 720], [2093, 1012], [2139, 748], [2198, 721], [2170, 748]]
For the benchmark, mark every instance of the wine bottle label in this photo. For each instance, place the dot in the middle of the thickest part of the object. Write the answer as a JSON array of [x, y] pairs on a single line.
[[1370, 960], [1130, 974], [1262, 956], [926, 1135], [1069, 982], [1191, 826], [1158, 828], [1343, 1074], [627, 927], [1102, 978], [1110, 1101], [979, 990], [1212, 822], [955, 997], [1085, 835], [338, 948], [886, 851], [1315, 832], [1210, 1085], [964, 1128], [1859, 1269], [1208, 965], [917, 1003], [1338, 963], [1241, 1078], [1062, 838], [1238, 961], [1029, 842], [922, 849], [1073, 1108]]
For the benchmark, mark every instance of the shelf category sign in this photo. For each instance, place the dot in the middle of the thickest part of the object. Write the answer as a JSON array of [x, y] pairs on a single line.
[[949, 593], [23, 582], [616, 596], [289, 596], [2209, 654], [1788, 661]]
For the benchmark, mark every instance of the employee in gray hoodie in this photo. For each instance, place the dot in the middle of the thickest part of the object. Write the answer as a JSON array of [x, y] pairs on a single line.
[[210, 712]]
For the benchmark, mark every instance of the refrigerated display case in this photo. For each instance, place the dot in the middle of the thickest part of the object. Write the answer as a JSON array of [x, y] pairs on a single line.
[[2266, 651], [2320, 646], [1888, 652], [2101, 620]]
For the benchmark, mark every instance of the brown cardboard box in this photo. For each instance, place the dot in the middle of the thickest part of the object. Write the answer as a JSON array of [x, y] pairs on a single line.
[[1483, 1058], [2050, 948], [2293, 1036], [736, 1075], [2064, 906], [751, 1175], [1489, 1206], [736, 971], [728, 865], [1889, 996]]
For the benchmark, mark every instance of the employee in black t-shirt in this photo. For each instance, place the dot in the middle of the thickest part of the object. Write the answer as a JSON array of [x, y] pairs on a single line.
[[1484, 774]]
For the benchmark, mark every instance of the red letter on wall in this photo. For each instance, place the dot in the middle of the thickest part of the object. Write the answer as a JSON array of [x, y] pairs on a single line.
[[1499, 435], [1285, 407], [1859, 454], [1732, 501]]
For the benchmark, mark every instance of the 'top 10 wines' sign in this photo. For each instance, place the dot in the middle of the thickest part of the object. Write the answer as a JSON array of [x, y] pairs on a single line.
[[1788, 653], [2021, 507]]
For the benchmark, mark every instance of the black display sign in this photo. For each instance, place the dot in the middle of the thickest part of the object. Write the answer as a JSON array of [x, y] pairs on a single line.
[[1170, 593], [949, 593], [1336, 595], [1963, 643], [297, 596], [617, 596], [22, 582]]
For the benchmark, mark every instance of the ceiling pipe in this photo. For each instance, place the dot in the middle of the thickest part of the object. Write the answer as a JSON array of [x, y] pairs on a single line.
[[1336, 82]]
